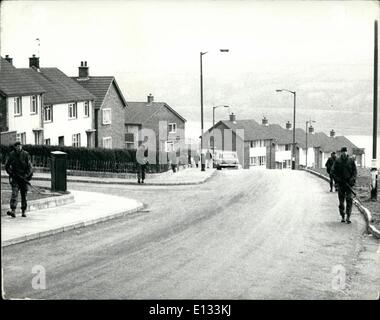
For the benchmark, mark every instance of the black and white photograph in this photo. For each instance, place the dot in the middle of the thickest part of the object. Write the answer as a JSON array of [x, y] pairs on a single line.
[[196, 150]]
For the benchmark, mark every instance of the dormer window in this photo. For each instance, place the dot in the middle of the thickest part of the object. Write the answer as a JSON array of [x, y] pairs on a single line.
[[172, 127]]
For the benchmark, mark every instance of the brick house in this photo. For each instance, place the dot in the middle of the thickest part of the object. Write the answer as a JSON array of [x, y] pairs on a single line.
[[21, 101], [164, 122], [270, 145], [109, 108]]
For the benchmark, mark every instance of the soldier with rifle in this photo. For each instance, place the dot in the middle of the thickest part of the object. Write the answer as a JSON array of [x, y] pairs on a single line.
[[19, 168], [344, 172]]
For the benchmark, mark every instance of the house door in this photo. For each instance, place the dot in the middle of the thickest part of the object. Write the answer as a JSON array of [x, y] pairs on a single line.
[[61, 140]]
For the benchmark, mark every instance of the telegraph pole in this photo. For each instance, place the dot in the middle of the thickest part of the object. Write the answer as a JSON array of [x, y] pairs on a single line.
[[374, 172]]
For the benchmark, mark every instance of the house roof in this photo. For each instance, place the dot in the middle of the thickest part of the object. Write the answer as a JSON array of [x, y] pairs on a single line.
[[59, 87], [99, 87], [140, 112], [255, 131], [14, 82]]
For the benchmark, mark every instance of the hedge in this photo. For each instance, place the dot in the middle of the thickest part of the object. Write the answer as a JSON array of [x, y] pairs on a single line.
[[76, 153]]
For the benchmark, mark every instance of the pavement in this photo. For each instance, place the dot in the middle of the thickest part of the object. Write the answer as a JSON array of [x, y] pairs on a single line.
[[86, 208], [188, 176]]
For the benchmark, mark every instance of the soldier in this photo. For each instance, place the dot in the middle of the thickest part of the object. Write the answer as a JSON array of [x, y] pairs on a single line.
[[344, 173], [329, 163], [19, 168]]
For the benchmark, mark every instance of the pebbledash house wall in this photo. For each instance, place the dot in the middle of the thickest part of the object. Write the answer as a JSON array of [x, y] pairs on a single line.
[[63, 126], [115, 130]]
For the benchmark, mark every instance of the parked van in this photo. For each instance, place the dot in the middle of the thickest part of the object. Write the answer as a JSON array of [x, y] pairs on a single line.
[[226, 159]]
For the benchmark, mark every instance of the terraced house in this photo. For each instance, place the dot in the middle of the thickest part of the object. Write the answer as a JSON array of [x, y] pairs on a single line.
[[21, 105], [68, 114], [270, 145], [109, 108], [60, 111]]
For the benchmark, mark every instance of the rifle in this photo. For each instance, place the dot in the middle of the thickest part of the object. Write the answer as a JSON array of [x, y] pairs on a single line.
[[37, 189]]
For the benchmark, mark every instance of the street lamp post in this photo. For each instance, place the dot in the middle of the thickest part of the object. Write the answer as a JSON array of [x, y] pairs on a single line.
[[294, 128], [307, 123], [213, 125], [203, 165]]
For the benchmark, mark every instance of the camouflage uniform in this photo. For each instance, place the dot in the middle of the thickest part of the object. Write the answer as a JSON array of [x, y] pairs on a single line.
[[344, 172], [19, 168]]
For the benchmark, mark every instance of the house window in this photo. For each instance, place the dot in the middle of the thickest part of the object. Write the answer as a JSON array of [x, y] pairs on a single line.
[[169, 146], [106, 116], [33, 104], [21, 137], [129, 140], [17, 106], [76, 140], [107, 142], [172, 127], [47, 142], [288, 147], [73, 110], [86, 108], [48, 113]]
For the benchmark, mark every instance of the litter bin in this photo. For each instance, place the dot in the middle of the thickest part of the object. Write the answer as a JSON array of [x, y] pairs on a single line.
[[58, 171]]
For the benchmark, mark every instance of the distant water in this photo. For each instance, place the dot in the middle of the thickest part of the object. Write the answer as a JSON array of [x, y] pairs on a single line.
[[363, 141]]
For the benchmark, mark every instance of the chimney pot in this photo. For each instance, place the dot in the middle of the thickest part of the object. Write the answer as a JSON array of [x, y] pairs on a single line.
[[311, 129], [288, 125], [233, 117], [83, 70], [264, 122], [34, 62], [9, 59], [332, 133], [150, 98]]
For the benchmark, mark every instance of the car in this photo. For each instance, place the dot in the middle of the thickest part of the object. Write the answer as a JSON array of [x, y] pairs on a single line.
[[226, 159]]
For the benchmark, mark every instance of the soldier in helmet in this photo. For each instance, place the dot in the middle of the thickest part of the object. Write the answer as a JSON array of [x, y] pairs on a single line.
[[344, 172], [19, 168]]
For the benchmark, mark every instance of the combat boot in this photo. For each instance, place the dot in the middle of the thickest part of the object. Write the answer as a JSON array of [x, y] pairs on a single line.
[[12, 213]]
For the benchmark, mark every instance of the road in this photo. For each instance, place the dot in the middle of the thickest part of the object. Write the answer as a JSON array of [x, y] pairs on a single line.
[[245, 234]]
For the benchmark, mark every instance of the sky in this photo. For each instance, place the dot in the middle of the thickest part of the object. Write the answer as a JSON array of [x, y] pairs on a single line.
[[323, 50]]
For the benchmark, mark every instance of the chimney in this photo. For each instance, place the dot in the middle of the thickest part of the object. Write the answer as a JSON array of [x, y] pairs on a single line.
[[264, 122], [150, 98], [311, 130], [9, 59], [83, 71], [288, 125], [233, 117], [332, 133], [34, 62]]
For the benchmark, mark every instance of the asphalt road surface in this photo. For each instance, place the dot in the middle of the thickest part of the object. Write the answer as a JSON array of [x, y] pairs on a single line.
[[245, 234]]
